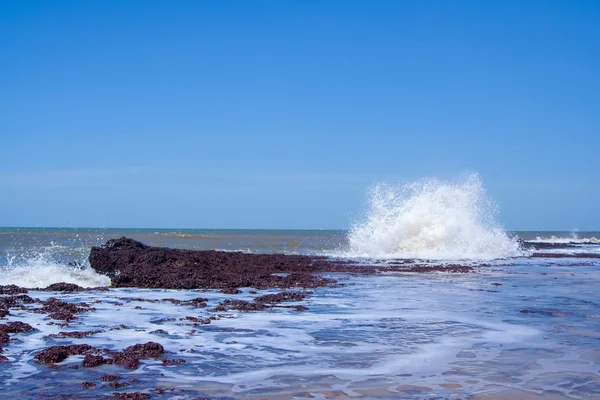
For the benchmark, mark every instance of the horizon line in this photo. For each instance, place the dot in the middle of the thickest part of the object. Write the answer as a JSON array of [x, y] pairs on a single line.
[[257, 229]]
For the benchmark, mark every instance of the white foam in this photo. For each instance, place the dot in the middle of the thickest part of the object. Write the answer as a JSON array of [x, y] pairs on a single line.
[[573, 239], [40, 269], [391, 330], [432, 219]]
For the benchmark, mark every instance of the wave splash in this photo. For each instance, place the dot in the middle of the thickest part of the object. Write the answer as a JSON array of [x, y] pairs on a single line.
[[573, 239], [432, 219], [39, 268]]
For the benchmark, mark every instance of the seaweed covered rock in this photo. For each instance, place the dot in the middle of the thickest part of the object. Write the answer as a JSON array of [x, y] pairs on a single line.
[[281, 297], [61, 310], [56, 354], [63, 287], [130, 263], [12, 289], [93, 360], [16, 327], [12, 327], [133, 264], [130, 357], [239, 305]]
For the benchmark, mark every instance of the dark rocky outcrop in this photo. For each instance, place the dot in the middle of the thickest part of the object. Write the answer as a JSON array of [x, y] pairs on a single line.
[[132, 396], [132, 264], [12, 289], [131, 356], [12, 327], [93, 360], [56, 354], [61, 310], [169, 362], [565, 255], [546, 245], [239, 305], [16, 327], [74, 334], [281, 297], [128, 358], [63, 287], [15, 301]]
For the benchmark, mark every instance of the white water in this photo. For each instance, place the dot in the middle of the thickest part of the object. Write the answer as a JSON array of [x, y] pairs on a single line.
[[432, 219], [40, 269], [375, 337], [573, 239]]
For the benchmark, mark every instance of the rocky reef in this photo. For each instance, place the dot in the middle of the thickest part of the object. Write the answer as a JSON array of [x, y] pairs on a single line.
[[130, 263]]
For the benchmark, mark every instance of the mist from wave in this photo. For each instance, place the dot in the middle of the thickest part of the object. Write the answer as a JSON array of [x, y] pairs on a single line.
[[432, 219]]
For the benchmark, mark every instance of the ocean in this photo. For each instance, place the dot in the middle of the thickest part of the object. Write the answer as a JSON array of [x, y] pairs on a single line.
[[523, 321], [517, 327]]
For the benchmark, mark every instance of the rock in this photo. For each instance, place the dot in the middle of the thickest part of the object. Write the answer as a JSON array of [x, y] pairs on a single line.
[[63, 311], [197, 302], [130, 357], [13, 301], [118, 385], [64, 287], [74, 334], [565, 255], [146, 350], [16, 327], [230, 291], [56, 354], [62, 316], [132, 264], [91, 361], [12, 327], [439, 268], [281, 297], [110, 378], [132, 396], [239, 305], [168, 362], [545, 245], [12, 289]]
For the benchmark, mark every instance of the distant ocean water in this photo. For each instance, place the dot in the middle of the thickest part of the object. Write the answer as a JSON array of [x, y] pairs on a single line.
[[524, 325], [37, 257]]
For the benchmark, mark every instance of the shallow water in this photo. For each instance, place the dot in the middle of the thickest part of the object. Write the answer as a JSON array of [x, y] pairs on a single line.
[[392, 335]]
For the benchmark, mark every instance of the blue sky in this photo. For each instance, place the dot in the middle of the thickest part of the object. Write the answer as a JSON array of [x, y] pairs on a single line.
[[281, 114]]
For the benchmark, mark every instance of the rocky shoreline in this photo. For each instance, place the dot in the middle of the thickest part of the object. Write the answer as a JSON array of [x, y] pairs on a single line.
[[131, 264]]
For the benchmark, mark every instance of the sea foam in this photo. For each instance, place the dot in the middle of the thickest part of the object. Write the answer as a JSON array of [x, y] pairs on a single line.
[[432, 219], [573, 239], [39, 268]]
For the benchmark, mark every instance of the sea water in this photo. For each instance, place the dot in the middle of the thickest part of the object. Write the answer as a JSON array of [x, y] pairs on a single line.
[[518, 327]]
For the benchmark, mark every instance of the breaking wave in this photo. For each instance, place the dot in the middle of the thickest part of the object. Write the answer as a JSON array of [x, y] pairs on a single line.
[[573, 239], [40, 268], [432, 219]]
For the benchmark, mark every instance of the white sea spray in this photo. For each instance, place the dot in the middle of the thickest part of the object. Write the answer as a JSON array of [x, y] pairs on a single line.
[[39, 268], [432, 219]]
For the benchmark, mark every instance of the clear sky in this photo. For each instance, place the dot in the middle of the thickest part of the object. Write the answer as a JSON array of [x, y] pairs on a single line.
[[281, 114]]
